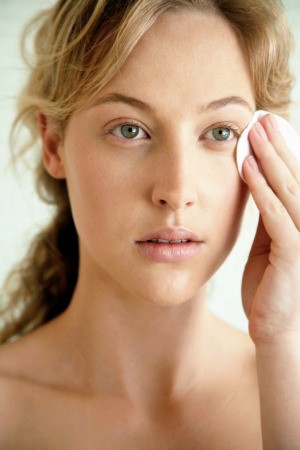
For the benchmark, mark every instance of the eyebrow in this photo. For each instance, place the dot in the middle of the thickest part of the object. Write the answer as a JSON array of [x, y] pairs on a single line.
[[222, 102], [120, 98], [207, 107]]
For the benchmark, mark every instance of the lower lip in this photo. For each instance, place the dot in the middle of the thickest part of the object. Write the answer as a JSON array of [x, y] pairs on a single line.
[[169, 253]]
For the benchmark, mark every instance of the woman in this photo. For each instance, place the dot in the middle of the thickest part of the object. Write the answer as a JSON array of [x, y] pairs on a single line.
[[139, 106]]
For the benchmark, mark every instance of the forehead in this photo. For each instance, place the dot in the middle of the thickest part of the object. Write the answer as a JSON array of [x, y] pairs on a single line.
[[187, 54]]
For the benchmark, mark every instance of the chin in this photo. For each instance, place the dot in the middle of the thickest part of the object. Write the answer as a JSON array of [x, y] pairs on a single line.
[[170, 301], [167, 293]]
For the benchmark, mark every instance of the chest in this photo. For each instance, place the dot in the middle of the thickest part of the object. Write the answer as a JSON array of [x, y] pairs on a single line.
[[55, 422]]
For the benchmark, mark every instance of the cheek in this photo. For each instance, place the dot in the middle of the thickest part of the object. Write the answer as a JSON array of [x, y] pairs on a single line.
[[224, 195], [229, 187], [98, 194], [231, 198]]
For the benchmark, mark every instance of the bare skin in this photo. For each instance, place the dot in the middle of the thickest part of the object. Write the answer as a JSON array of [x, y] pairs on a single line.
[[50, 395], [137, 361]]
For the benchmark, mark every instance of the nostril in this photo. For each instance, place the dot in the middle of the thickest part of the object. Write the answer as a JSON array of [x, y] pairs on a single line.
[[162, 202]]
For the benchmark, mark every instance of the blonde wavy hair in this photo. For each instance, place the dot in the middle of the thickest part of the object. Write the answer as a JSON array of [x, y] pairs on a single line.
[[78, 47]]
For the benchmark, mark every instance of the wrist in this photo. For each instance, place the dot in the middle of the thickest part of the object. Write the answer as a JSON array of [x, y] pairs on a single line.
[[280, 356], [280, 341]]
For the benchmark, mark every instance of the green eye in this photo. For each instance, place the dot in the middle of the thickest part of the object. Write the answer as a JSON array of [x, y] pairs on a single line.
[[129, 131], [221, 134]]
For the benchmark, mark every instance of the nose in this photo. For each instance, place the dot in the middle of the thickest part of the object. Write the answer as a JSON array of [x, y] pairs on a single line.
[[174, 174]]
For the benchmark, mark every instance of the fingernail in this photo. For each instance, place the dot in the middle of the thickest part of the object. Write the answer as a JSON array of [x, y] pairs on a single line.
[[252, 163], [260, 131], [273, 122]]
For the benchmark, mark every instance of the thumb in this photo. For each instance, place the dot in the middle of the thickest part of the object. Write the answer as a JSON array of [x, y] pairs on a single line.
[[256, 265], [262, 241]]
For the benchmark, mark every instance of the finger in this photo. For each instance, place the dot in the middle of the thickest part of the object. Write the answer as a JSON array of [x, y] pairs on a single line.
[[277, 140], [276, 172], [277, 221], [262, 241]]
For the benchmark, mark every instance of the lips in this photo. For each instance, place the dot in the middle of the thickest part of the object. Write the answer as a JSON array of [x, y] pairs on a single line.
[[169, 245], [170, 236], [165, 241]]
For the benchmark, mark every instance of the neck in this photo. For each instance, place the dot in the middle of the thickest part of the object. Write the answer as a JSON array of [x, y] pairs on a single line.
[[147, 352]]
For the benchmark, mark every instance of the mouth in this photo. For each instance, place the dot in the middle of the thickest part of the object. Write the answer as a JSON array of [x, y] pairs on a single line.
[[165, 241], [169, 245], [170, 236]]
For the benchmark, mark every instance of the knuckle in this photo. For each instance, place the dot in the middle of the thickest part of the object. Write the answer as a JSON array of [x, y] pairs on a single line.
[[276, 207], [293, 186], [259, 184]]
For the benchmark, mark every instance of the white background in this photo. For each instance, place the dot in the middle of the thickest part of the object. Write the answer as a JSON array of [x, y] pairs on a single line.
[[21, 212]]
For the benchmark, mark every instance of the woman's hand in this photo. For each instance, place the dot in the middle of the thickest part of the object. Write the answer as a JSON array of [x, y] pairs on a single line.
[[271, 281]]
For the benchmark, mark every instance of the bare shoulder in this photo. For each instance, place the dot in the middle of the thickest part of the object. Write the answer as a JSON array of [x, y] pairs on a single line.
[[19, 359], [23, 368], [34, 358], [24, 392], [12, 407]]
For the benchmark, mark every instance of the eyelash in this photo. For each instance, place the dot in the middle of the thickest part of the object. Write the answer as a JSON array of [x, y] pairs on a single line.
[[225, 125], [124, 123], [232, 128]]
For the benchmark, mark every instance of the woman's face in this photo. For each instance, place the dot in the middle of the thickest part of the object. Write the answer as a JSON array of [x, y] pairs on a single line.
[[156, 149]]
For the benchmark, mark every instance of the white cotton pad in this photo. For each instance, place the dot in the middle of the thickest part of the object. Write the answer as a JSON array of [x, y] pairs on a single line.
[[244, 148]]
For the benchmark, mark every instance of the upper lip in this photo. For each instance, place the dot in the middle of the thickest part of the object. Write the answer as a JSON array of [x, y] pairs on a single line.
[[171, 234]]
